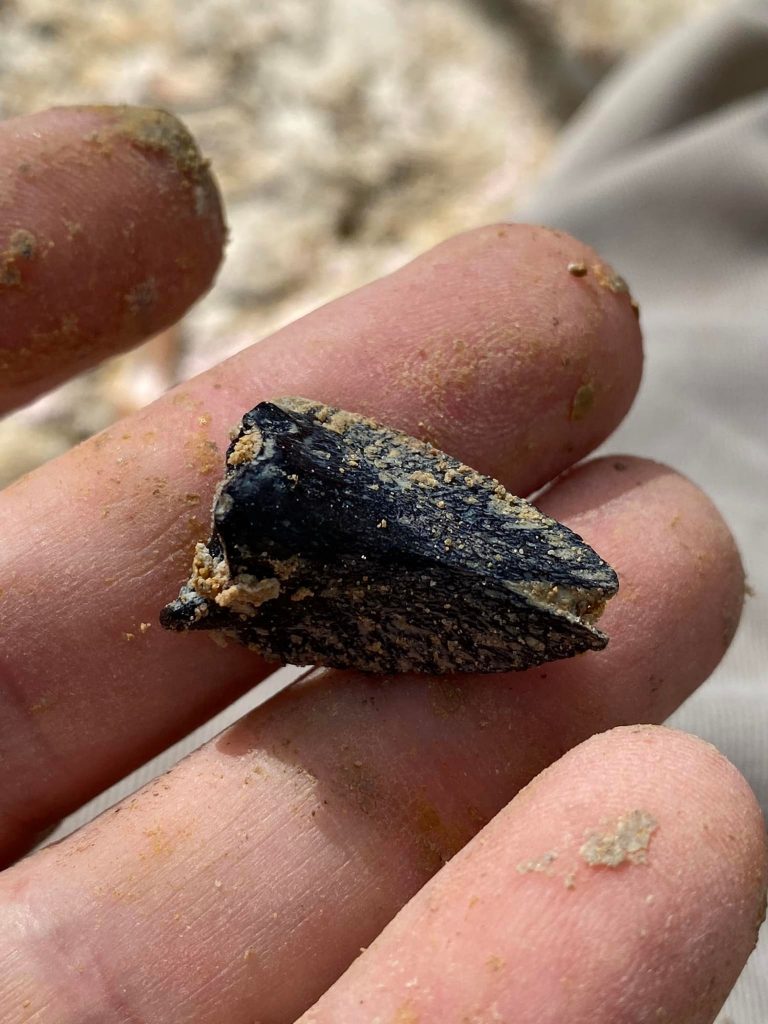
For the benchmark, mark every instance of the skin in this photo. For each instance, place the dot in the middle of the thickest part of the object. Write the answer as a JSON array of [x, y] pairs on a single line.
[[239, 886], [92, 204], [554, 941]]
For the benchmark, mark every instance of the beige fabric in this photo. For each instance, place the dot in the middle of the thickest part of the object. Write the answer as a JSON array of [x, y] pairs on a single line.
[[666, 173]]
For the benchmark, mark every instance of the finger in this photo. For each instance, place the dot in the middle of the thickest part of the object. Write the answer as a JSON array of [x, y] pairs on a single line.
[[626, 883], [295, 836], [110, 227], [682, 592], [484, 343]]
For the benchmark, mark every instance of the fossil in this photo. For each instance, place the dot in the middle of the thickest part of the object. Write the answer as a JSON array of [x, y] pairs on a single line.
[[338, 541]]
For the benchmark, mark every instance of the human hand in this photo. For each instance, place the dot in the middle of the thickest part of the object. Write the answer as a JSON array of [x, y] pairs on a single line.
[[241, 884]]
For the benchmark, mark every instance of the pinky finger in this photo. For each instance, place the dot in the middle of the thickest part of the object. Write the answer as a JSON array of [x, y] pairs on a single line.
[[626, 883]]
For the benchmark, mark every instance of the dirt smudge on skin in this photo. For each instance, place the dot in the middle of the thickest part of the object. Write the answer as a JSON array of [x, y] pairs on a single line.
[[22, 248], [157, 131], [405, 1015], [444, 375], [23, 244], [44, 703], [185, 400], [197, 530], [583, 401], [542, 864], [160, 842], [608, 278], [158, 134], [45, 350], [361, 785], [203, 452], [446, 697], [207, 455], [142, 297], [624, 841], [74, 228], [437, 840]]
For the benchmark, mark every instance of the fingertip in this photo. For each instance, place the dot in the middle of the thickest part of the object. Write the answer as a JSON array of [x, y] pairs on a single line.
[[627, 881], [681, 588], [576, 335], [710, 849], [678, 761], [110, 227], [666, 836]]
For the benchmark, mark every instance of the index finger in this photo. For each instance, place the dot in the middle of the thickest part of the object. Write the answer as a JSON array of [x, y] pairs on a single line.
[[487, 345]]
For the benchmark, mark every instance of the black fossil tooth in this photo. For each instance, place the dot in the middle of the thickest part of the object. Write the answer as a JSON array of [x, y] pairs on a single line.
[[337, 541]]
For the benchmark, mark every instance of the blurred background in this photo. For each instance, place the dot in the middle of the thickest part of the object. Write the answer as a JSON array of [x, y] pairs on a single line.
[[346, 136]]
